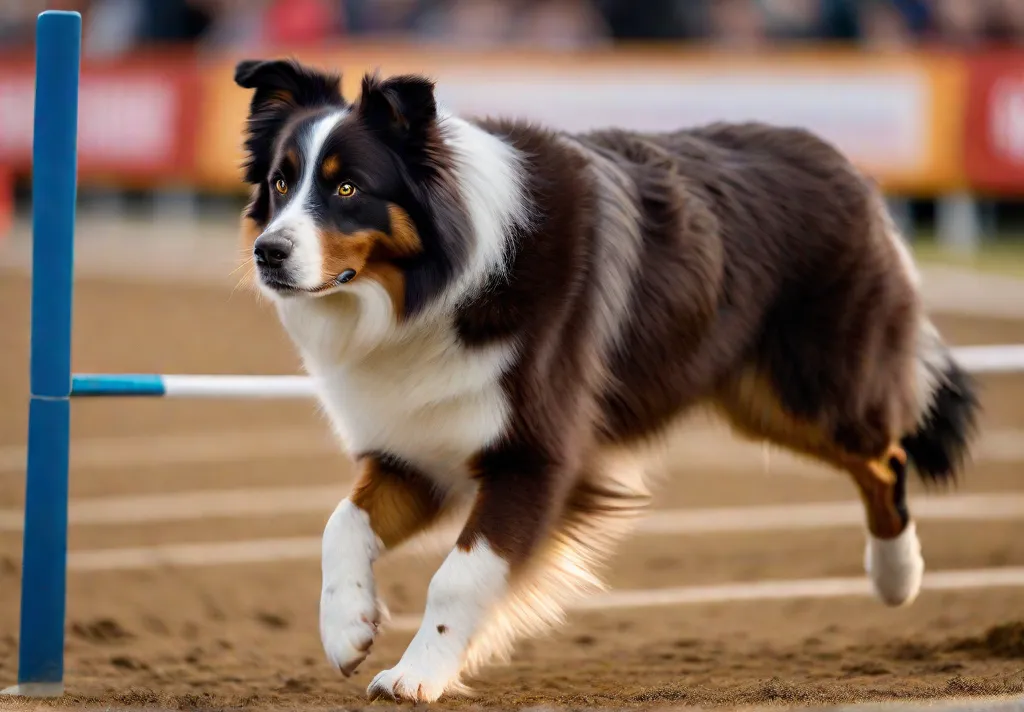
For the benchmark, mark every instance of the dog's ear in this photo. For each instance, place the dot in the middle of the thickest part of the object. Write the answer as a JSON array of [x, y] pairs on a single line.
[[282, 86], [287, 82], [401, 110]]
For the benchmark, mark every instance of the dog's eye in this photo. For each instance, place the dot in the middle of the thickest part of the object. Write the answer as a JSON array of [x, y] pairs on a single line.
[[346, 190], [281, 186]]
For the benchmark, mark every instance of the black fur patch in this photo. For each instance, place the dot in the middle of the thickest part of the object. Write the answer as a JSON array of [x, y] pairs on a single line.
[[282, 86], [899, 491], [938, 448]]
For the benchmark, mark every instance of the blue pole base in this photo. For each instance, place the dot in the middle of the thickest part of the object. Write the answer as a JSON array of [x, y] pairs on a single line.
[[45, 547]]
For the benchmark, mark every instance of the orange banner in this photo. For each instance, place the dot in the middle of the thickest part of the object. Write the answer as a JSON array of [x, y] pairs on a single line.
[[898, 117]]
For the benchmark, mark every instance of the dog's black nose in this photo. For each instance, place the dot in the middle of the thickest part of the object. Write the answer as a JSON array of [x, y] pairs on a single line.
[[271, 250]]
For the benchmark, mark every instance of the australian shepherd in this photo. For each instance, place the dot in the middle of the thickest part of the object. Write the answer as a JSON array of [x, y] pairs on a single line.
[[506, 316]]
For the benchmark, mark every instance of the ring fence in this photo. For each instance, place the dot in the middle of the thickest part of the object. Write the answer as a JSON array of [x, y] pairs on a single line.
[[44, 559]]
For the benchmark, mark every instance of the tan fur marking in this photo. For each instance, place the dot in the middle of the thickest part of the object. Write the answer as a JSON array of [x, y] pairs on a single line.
[[753, 409], [292, 158], [398, 505], [405, 238], [368, 253], [876, 481], [330, 167], [347, 251], [393, 281], [247, 235]]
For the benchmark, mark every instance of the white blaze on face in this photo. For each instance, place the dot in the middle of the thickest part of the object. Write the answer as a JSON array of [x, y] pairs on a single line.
[[296, 219]]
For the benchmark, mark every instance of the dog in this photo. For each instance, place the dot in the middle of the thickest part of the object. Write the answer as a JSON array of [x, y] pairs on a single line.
[[510, 318]]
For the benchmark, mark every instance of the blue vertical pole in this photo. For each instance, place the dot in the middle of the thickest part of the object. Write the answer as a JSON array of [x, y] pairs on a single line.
[[54, 180]]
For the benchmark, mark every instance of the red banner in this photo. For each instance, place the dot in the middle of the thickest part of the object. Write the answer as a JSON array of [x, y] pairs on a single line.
[[994, 126], [136, 120]]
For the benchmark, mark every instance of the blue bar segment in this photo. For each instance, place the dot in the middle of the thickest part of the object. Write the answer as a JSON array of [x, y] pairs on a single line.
[[44, 563], [54, 175], [129, 384]]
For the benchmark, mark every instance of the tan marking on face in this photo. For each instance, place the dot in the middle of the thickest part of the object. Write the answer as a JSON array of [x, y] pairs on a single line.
[[399, 504], [405, 238], [342, 251], [291, 157], [393, 281], [369, 253], [330, 168], [247, 235]]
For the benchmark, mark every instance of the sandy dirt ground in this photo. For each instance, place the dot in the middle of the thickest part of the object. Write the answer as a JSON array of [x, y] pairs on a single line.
[[195, 580]]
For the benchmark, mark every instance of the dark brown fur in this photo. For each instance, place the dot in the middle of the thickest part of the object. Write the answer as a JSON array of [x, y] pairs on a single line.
[[766, 285]]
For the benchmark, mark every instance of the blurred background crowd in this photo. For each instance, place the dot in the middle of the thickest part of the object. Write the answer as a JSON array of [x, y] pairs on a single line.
[[943, 132], [114, 26]]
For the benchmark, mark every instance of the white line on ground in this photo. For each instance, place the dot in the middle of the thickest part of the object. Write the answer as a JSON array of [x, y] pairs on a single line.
[[954, 580], [185, 449], [277, 501], [194, 504], [698, 446], [822, 515]]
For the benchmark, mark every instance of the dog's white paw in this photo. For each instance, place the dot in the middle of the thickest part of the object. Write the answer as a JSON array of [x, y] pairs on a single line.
[[406, 683], [350, 612], [895, 567], [349, 621]]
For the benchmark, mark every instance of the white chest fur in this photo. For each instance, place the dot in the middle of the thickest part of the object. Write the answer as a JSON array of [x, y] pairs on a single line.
[[414, 392]]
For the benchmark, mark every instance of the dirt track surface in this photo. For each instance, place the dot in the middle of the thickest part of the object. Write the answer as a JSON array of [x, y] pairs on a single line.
[[215, 635]]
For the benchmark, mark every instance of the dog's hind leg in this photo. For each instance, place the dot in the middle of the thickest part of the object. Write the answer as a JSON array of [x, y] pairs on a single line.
[[892, 557]]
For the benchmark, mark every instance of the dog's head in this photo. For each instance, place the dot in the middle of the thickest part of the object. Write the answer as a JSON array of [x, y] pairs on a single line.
[[349, 194]]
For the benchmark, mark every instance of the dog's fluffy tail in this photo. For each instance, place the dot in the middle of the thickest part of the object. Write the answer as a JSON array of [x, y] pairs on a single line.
[[948, 411]]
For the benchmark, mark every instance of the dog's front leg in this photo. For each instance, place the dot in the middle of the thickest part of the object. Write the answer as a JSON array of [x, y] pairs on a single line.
[[517, 500], [389, 503]]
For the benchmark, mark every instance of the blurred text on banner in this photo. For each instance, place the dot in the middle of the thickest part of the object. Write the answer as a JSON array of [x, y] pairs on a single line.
[[994, 128]]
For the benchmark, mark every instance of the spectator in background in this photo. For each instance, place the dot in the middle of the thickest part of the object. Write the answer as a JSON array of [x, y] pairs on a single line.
[[791, 19], [548, 23], [891, 25], [237, 24], [1006, 21], [659, 20], [116, 26], [112, 27], [960, 23], [302, 22], [737, 24], [17, 21]]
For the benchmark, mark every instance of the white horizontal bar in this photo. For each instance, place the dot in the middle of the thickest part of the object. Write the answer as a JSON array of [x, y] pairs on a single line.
[[188, 386], [1007, 358]]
